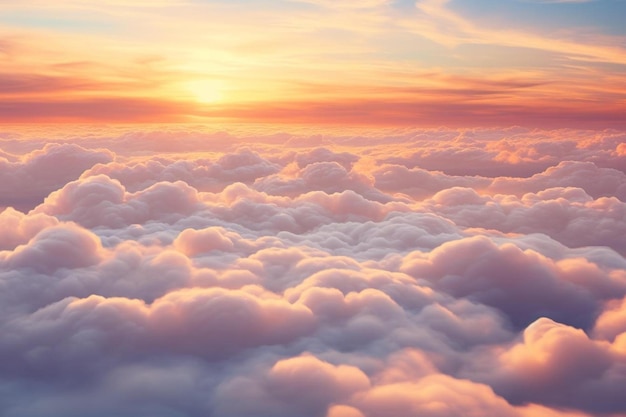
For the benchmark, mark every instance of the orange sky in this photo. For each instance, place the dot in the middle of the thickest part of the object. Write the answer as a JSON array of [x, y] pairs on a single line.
[[374, 62]]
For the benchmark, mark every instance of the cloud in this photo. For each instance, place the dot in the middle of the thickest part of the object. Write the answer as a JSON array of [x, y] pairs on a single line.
[[103, 109], [437, 395], [27, 180], [343, 275], [521, 283], [568, 215], [597, 182], [612, 321], [558, 365], [302, 385], [51, 77], [466, 31], [19, 228], [63, 246], [560, 1], [329, 177], [102, 201]]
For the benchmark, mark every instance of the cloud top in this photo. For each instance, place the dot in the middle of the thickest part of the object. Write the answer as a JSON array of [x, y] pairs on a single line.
[[422, 272]]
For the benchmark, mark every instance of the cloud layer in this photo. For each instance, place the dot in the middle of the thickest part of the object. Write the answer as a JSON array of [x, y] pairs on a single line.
[[432, 273]]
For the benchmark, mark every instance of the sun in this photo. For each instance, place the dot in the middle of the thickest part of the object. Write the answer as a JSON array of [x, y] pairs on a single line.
[[206, 91]]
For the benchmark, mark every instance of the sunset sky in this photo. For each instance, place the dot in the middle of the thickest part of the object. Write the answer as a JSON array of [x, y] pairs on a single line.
[[369, 62], [312, 208]]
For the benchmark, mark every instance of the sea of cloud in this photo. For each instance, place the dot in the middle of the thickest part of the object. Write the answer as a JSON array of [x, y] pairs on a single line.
[[176, 271]]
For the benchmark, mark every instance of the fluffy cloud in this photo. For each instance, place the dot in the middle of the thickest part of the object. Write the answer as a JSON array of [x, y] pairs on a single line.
[[568, 215], [597, 182], [410, 272], [203, 174], [18, 228], [561, 366], [101, 201], [27, 179], [521, 283]]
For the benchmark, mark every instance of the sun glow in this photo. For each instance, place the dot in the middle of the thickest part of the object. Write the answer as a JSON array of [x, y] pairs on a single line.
[[206, 91]]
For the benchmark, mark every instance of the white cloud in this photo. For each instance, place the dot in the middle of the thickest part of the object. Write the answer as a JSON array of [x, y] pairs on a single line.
[[340, 281]]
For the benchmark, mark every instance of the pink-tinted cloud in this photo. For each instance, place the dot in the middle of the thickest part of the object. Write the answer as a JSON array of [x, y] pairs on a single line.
[[521, 283], [254, 273], [100, 200], [597, 182], [559, 365], [26, 180], [423, 112], [436, 395], [568, 215], [18, 228], [206, 175], [103, 109], [57, 247], [612, 321]]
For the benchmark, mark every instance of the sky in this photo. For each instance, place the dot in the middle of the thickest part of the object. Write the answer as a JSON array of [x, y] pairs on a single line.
[[312, 208], [428, 63]]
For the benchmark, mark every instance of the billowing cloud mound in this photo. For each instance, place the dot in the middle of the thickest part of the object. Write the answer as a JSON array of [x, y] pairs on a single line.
[[431, 273], [26, 179]]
